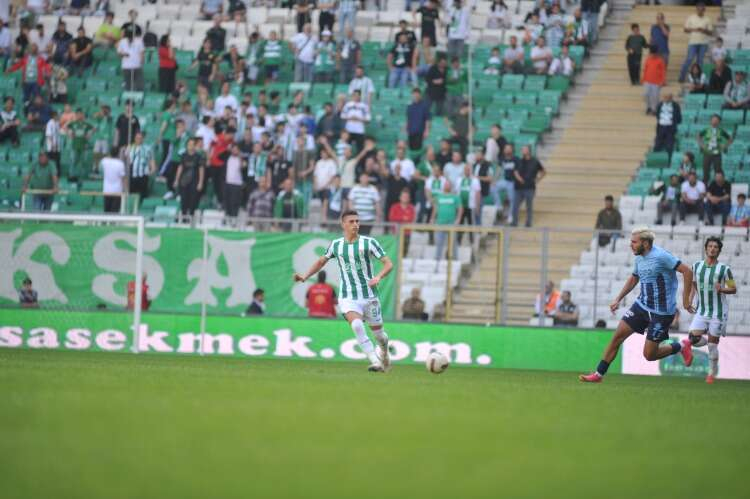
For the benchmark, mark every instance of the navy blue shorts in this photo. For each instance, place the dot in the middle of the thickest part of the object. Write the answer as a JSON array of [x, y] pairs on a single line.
[[656, 326]]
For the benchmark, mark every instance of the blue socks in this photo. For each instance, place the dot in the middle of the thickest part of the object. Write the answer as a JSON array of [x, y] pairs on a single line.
[[676, 347], [602, 367]]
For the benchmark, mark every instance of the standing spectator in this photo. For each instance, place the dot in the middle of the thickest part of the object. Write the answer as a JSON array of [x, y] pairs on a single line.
[[303, 46], [104, 132], [720, 78], [469, 190], [692, 193], [365, 200], [303, 12], [447, 211], [697, 83], [348, 56], [499, 16], [718, 198], [27, 297], [177, 149], [454, 169], [402, 62], [670, 200], [237, 10], [411, 37], [456, 83], [458, 28], [261, 200], [508, 164], [320, 299], [141, 165], [513, 57], [325, 57], [131, 49], [326, 168], [737, 92], [436, 84], [654, 77], [554, 27], [435, 184], [719, 51], [218, 154], [34, 71], [430, 17], [289, 204], [81, 49], [408, 169], [668, 118], [356, 115], [207, 63], [41, 177], [529, 172], [258, 305], [660, 37], [167, 65], [6, 44], [217, 36], [189, 178], [80, 132], [395, 184], [609, 218], [272, 50], [167, 128], [590, 10], [52, 135], [403, 212], [634, 45], [362, 83], [334, 199], [211, 8], [233, 182], [326, 15], [37, 114], [495, 144], [563, 64], [347, 15], [114, 181], [254, 58], [541, 56], [713, 141], [460, 128], [484, 171], [739, 216], [225, 100], [701, 28], [9, 122], [107, 34], [413, 307], [328, 125], [132, 25], [566, 312], [547, 304], [445, 153], [145, 302]]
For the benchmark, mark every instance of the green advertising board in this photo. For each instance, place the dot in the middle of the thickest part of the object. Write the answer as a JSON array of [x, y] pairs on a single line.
[[294, 338], [85, 267]]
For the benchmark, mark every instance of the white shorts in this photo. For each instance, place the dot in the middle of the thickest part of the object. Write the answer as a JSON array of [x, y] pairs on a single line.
[[368, 308], [714, 327]]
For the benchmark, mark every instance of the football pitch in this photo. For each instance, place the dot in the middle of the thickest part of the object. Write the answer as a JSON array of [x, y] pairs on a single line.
[[89, 425]]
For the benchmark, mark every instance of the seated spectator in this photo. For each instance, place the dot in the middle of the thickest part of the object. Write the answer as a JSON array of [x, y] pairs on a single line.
[[563, 64], [37, 114], [719, 51], [413, 307], [258, 305], [61, 40], [494, 64], [737, 92], [237, 10], [499, 16], [107, 34], [687, 165], [718, 198], [720, 76], [670, 199], [27, 297], [41, 177], [547, 304], [566, 312], [697, 83], [740, 214], [609, 219], [9, 122], [541, 56], [692, 194], [211, 8], [513, 57]]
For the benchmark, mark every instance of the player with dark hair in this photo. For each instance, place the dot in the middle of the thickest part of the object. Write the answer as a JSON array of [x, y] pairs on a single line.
[[358, 291]]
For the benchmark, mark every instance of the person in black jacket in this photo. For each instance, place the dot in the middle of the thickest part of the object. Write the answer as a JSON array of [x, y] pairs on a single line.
[[668, 116], [436, 85], [720, 76], [257, 306]]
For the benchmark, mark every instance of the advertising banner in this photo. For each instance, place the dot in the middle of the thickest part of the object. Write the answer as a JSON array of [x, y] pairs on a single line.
[[87, 267], [289, 338]]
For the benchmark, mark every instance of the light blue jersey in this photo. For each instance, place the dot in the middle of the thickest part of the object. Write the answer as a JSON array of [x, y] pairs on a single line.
[[657, 274]]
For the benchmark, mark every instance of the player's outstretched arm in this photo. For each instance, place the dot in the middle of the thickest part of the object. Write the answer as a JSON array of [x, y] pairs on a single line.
[[627, 288], [319, 264], [687, 287], [387, 267]]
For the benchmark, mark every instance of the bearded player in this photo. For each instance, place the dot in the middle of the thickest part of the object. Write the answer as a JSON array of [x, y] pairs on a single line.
[[652, 313], [358, 297], [712, 281]]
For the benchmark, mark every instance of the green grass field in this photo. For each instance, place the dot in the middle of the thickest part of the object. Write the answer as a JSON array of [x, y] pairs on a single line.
[[87, 425]]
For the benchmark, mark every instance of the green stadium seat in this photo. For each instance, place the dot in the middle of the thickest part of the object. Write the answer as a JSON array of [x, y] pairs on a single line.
[[512, 82], [689, 115], [714, 102], [561, 83], [535, 83], [658, 159], [732, 117], [694, 101]]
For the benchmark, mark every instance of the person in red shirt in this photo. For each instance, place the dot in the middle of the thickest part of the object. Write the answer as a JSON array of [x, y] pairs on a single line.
[[403, 212], [167, 65], [654, 77], [321, 298], [33, 77], [218, 154], [145, 302]]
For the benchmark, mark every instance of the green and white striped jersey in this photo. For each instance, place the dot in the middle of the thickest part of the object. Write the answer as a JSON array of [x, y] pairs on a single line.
[[355, 265], [711, 304]]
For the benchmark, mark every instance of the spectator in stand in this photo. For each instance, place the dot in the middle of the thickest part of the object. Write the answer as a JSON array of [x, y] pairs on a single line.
[[403, 212], [237, 11], [80, 132], [211, 8], [408, 169], [6, 44], [533, 29], [334, 199], [739, 216], [470, 191], [507, 165], [395, 183], [145, 301], [701, 28], [207, 63], [141, 166], [320, 299], [190, 177], [737, 92], [325, 58], [563, 64], [52, 135], [460, 128], [459, 17], [132, 25], [289, 204], [348, 56], [365, 200], [131, 50], [326, 168], [9, 122], [719, 51], [347, 15], [547, 304], [453, 169], [529, 173], [692, 194], [356, 115], [499, 16], [363, 84], [260, 203], [403, 29], [37, 114], [513, 57], [430, 18], [27, 297], [402, 62], [41, 177], [566, 312], [670, 199], [107, 34], [435, 184], [303, 12], [590, 10], [81, 49], [303, 46], [34, 72], [697, 83], [718, 199], [447, 211], [126, 126], [713, 141], [114, 181], [668, 118], [578, 32], [413, 307], [217, 161], [555, 26], [258, 305], [720, 77], [634, 45], [436, 84], [233, 182], [608, 219], [494, 65], [225, 100], [177, 149], [654, 77], [541, 56], [660, 37], [484, 171], [495, 144], [271, 56], [61, 40], [456, 83], [167, 65]]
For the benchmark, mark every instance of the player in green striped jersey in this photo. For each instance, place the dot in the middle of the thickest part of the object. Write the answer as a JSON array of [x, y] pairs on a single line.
[[712, 281], [358, 291]]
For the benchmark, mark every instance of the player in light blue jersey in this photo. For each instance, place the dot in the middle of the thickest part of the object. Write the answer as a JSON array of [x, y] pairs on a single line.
[[652, 313]]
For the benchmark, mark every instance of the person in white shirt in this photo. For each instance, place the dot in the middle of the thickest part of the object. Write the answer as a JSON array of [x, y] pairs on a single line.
[[130, 49], [562, 64], [303, 45], [406, 164], [233, 182], [541, 56], [52, 140], [325, 169], [206, 132], [356, 114], [459, 16], [453, 170], [363, 84], [692, 193], [42, 40], [469, 189], [719, 51], [6, 42], [225, 100], [114, 181]]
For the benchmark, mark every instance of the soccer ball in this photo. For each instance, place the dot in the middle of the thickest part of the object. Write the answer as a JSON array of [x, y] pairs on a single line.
[[436, 362]]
